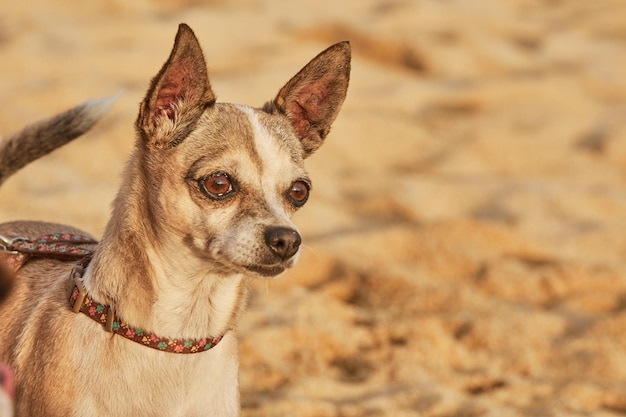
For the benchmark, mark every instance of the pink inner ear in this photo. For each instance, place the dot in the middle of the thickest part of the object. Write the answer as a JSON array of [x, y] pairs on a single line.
[[299, 119], [164, 103], [173, 89], [310, 105]]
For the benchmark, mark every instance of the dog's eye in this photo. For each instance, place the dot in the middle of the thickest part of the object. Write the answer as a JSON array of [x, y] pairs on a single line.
[[217, 185], [299, 193]]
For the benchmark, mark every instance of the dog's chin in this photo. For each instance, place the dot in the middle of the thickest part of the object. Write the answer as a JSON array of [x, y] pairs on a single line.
[[266, 271], [256, 270]]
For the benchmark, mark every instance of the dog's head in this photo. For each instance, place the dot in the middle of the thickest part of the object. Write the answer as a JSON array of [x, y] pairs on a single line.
[[224, 179]]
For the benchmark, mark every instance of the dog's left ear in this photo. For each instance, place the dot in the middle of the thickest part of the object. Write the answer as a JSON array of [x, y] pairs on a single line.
[[312, 98], [178, 94]]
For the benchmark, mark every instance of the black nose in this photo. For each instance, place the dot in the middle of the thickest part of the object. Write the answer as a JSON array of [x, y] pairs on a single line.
[[282, 241]]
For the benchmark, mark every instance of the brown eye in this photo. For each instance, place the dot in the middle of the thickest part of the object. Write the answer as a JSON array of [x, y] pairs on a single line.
[[299, 193], [217, 185]]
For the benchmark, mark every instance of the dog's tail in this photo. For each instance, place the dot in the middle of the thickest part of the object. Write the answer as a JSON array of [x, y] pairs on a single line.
[[41, 138]]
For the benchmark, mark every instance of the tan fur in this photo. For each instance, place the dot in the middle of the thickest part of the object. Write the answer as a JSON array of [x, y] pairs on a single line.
[[6, 379], [175, 258], [6, 279]]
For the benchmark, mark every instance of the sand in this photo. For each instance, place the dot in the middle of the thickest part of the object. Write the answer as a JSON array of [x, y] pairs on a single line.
[[465, 242]]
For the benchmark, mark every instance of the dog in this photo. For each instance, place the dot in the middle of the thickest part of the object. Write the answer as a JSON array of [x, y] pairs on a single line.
[[205, 206]]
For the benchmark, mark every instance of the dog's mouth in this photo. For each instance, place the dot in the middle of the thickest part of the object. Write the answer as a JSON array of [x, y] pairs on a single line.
[[263, 271], [223, 262], [266, 271]]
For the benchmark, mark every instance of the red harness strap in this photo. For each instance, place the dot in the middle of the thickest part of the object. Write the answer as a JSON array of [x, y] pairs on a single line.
[[64, 246]]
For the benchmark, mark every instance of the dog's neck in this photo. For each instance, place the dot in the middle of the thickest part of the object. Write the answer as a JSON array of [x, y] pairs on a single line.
[[154, 281]]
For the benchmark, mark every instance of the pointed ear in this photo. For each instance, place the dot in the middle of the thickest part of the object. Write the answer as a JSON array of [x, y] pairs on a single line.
[[312, 98], [178, 94]]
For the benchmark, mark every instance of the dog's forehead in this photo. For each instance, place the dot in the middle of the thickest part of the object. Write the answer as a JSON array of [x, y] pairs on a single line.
[[236, 132]]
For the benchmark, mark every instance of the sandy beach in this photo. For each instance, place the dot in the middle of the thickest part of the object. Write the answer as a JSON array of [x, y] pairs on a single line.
[[465, 240]]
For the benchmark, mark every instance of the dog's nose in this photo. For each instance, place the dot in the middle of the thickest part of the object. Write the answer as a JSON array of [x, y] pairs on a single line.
[[283, 241]]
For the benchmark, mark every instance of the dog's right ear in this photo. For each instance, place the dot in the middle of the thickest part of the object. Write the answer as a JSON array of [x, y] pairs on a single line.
[[178, 94]]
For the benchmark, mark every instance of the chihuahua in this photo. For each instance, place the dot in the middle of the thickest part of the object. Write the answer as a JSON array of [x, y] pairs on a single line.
[[144, 325]]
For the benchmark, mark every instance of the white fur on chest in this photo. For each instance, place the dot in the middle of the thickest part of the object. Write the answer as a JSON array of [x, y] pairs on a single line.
[[187, 305], [191, 303], [138, 381]]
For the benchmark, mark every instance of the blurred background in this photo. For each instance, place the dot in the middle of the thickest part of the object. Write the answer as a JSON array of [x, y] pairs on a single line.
[[465, 241]]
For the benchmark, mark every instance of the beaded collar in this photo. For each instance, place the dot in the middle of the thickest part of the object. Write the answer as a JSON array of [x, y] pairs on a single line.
[[65, 246]]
